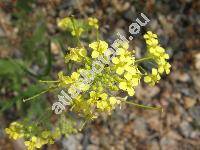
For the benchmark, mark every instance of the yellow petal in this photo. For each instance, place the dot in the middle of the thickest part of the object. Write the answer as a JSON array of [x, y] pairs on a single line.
[[120, 70], [147, 79], [113, 100], [123, 85], [120, 51], [83, 52], [154, 71], [75, 76], [167, 71], [128, 76], [161, 69], [131, 91], [95, 54], [158, 77], [135, 81], [115, 60], [92, 94], [104, 96]]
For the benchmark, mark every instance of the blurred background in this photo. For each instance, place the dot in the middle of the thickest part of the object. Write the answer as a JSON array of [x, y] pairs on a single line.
[[30, 51]]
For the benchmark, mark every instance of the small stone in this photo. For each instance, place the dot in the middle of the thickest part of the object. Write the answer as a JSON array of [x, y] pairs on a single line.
[[155, 123], [55, 48], [2, 32], [186, 129], [153, 145], [184, 77], [176, 95], [167, 143], [146, 93], [92, 147], [195, 135], [196, 81], [189, 102], [19, 144], [197, 61], [105, 141], [181, 76], [94, 139], [195, 114], [140, 128], [174, 135], [71, 143]]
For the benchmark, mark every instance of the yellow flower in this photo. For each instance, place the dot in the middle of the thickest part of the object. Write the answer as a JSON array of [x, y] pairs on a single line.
[[98, 47], [76, 54], [15, 130], [165, 67], [123, 63], [65, 23], [77, 31], [75, 76], [72, 25], [152, 78], [122, 48], [158, 54], [129, 85], [113, 101], [100, 100], [93, 22]]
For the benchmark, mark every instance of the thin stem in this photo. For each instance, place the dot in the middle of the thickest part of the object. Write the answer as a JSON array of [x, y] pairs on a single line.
[[144, 71], [152, 63], [97, 34], [76, 31], [143, 59], [47, 81], [82, 126], [143, 106], [45, 91]]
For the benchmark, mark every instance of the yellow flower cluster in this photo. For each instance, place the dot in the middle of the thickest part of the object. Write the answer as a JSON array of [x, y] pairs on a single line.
[[98, 47], [72, 25], [120, 72], [76, 54], [65, 23], [46, 137], [157, 54], [18, 130], [77, 27], [93, 22], [102, 101], [152, 78], [15, 131], [125, 65]]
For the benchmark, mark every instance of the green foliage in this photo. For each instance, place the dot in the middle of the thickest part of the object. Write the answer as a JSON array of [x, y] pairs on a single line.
[[24, 5], [17, 75]]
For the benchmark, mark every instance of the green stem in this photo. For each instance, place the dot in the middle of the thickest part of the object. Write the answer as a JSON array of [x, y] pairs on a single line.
[[82, 125], [143, 106], [45, 91], [143, 59], [75, 29], [97, 34], [144, 71], [44, 81]]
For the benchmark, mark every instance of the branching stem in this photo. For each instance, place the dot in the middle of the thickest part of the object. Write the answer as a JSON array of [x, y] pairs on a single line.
[[143, 59], [143, 106]]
